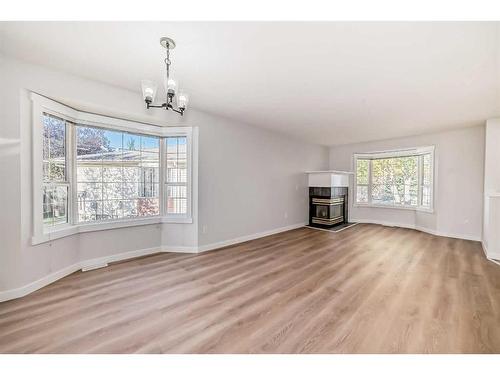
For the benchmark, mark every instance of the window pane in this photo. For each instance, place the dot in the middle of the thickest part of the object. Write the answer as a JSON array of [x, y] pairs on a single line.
[[89, 210], [362, 171], [148, 207], [427, 172], [112, 172], [54, 148], [123, 166], [130, 190], [177, 199], [395, 181], [131, 173], [46, 170], [88, 171], [90, 143], [111, 190], [57, 146], [426, 196], [176, 173], [55, 205], [57, 170], [131, 142], [112, 209], [362, 194], [113, 144], [148, 190], [150, 144], [89, 191], [182, 146], [129, 208], [176, 160], [46, 138], [150, 157]]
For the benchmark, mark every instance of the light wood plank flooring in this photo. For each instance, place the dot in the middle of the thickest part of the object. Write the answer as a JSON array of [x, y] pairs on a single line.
[[368, 289]]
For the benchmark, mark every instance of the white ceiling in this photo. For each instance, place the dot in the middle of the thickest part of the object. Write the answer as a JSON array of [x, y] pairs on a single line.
[[328, 83]]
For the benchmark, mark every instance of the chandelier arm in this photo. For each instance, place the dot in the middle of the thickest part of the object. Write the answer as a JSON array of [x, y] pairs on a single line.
[[181, 112], [156, 106]]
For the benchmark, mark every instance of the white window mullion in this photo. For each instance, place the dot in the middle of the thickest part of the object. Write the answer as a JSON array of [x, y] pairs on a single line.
[[72, 191], [37, 170], [370, 182], [162, 178], [189, 174], [420, 180]]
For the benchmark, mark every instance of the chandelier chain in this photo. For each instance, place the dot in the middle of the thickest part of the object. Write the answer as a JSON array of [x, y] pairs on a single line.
[[167, 61]]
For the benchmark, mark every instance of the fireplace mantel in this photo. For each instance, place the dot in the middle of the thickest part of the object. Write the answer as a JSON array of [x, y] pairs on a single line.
[[329, 178], [330, 172]]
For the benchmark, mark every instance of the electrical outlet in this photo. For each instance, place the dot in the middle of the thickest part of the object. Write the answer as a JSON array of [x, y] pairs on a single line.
[[204, 228], [286, 215]]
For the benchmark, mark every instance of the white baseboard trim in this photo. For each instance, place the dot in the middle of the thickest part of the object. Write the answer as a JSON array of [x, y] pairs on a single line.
[[485, 250], [180, 249], [237, 240], [86, 265], [94, 267], [103, 261], [419, 228], [37, 284], [96, 263]]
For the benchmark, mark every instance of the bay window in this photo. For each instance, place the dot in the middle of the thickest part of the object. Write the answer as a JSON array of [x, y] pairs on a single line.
[[94, 172], [402, 179]]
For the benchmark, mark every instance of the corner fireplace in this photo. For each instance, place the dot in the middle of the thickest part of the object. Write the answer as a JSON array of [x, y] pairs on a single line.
[[327, 206]]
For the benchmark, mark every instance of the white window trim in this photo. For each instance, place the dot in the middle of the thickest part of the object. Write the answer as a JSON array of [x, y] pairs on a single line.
[[396, 153], [40, 105]]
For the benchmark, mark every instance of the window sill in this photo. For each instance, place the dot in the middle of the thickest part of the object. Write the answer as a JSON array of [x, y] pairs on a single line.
[[69, 230], [407, 208]]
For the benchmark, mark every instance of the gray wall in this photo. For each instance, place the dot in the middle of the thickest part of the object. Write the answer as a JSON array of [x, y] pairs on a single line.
[[244, 172], [458, 201], [251, 181]]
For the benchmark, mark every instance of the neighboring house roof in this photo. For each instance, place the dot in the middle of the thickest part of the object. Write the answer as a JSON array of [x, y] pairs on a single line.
[[114, 156], [118, 155]]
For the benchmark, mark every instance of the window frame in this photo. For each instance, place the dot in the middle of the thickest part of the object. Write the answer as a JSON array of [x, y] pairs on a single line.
[[67, 172], [419, 151], [188, 182], [42, 105]]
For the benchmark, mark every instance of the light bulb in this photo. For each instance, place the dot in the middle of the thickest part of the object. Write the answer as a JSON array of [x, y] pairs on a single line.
[[148, 90], [182, 100], [171, 86]]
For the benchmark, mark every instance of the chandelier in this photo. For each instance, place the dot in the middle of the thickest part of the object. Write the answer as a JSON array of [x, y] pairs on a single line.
[[149, 88]]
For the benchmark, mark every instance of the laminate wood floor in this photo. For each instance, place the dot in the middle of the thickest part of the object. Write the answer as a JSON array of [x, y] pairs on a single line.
[[367, 289]]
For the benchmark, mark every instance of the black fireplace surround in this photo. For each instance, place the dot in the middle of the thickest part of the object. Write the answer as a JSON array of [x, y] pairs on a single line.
[[327, 206]]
